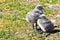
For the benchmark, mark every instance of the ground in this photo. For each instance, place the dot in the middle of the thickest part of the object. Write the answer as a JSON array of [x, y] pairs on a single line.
[[13, 25]]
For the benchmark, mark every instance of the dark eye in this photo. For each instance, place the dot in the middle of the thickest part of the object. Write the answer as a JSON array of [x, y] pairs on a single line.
[[40, 7]]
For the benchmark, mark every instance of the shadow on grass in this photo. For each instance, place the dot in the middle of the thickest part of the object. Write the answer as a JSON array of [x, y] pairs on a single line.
[[54, 31], [49, 33]]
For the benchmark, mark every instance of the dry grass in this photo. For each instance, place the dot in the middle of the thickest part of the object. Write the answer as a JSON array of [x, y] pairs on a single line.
[[14, 27]]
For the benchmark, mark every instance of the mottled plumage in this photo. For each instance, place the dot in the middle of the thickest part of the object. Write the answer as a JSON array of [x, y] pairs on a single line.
[[45, 24], [36, 17], [34, 14]]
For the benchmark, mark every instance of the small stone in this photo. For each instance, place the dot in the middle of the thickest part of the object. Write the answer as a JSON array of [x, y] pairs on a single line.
[[53, 21], [57, 15], [16, 33], [50, 6], [54, 6]]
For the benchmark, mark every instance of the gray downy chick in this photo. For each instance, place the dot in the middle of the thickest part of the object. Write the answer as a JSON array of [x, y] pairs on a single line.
[[33, 15], [45, 24]]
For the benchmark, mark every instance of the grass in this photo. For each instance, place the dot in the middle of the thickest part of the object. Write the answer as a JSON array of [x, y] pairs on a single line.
[[12, 24]]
